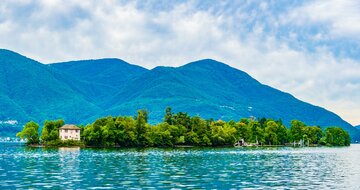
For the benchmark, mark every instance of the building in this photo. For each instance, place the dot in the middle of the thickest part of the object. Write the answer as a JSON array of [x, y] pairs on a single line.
[[69, 132]]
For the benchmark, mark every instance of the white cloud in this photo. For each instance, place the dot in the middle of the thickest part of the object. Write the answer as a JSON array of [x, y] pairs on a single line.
[[341, 17], [51, 31]]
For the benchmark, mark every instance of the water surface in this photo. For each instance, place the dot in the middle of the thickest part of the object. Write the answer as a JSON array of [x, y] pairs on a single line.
[[181, 168]]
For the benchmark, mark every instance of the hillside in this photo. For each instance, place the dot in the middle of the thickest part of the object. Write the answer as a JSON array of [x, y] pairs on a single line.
[[29, 91], [98, 79], [81, 91], [111, 72], [214, 90]]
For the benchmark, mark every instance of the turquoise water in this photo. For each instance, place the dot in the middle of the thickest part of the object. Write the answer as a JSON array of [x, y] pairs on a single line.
[[182, 168]]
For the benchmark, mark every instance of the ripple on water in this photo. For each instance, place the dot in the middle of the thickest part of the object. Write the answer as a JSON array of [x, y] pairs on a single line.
[[186, 168]]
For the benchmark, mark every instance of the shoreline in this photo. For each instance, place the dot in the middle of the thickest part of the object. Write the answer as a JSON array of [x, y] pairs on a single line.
[[183, 146]]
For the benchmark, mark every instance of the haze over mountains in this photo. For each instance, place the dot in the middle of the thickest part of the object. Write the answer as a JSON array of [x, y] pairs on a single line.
[[81, 91]]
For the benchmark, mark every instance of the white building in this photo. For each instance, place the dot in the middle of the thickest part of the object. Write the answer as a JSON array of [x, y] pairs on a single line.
[[69, 132]]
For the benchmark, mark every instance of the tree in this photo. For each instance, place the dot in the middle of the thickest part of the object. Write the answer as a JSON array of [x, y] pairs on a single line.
[[222, 133], [45, 134], [336, 136], [108, 132], [296, 130], [182, 119], [30, 133], [243, 131], [206, 141], [271, 133], [199, 126], [257, 132], [142, 128], [160, 135], [313, 133], [168, 116], [128, 131], [192, 138], [263, 122], [96, 131], [50, 130]]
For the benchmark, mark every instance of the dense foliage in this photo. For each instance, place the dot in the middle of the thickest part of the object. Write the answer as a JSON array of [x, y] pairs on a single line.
[[66, 143], [50, 131], [336, 136], [182, 129]]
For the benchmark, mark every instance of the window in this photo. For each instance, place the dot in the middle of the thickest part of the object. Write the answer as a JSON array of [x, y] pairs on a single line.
[[66, 130], [66, 137]]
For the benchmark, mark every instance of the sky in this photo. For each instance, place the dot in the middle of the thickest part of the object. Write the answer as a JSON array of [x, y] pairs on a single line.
[[310, 49]]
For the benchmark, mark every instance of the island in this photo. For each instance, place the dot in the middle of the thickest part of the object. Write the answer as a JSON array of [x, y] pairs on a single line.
[[180, 129]]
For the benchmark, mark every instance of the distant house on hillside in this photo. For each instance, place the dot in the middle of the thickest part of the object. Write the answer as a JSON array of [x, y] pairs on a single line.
[[69, 132]]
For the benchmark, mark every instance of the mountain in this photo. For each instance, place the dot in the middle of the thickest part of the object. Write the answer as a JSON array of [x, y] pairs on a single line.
[[110, 72], [97, 79], [214, 90], [81, 91], [29, 91]]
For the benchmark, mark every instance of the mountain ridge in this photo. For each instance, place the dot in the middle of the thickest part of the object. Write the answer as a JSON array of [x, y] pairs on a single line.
[[102, 70], [94, 79], [205, 87]]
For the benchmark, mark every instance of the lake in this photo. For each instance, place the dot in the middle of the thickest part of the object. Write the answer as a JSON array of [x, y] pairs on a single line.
[[180, 168]]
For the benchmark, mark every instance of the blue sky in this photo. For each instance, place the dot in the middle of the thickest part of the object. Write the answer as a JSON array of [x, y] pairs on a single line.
[[307, 48]]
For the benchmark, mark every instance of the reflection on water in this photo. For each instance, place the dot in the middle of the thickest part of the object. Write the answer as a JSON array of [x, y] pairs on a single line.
[[69, 149], [190, 168]]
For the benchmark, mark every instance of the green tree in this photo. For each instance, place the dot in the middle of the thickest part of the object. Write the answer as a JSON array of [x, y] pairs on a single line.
[[257, 132], [297, 130], [125, 131], [50, 130], [199, 126], [108, 131], [30, 133], [243, 131], [142, 128], [336, 136], [182, 119], [162, 136], [313, 134], [206, 141], [168, 116], [271, 131], [222, 133], [192, 138], [45, 134]]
